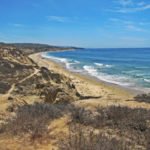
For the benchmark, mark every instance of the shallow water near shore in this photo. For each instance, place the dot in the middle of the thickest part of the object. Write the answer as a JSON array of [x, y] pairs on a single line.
[[126, 67]]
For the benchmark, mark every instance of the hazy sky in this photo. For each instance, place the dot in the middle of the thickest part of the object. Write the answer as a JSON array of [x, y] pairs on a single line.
[[85, 23]]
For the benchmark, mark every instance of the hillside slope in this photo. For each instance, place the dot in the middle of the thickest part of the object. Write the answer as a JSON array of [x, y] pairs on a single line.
[[21, 78], [30, 48], [42, 109]]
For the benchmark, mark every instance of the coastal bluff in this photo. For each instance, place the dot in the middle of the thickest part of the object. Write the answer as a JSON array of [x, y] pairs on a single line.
[[43, 106]]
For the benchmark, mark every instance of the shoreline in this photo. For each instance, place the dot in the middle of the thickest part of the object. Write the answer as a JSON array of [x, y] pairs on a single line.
[[73, 49], [96, 81], [87, 86], [128, 89]]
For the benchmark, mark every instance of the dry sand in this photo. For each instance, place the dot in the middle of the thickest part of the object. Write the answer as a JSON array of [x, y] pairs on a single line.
[[110, 94]]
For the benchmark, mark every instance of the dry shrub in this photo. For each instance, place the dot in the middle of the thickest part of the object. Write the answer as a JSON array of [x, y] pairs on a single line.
[[128, 128], [32, 120], [82, 116], [133, 124], [82, 139], [143, 98], [4, 87], [114, 117], [124, 118]]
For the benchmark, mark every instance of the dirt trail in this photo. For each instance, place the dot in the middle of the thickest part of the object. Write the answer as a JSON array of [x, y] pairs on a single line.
[[5, 96], [31, 75]]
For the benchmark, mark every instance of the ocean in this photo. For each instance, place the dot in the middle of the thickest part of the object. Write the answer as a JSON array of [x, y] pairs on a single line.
[[128, 67]]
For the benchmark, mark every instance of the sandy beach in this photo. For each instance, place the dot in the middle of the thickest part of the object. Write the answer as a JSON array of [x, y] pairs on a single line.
[[109, 94]]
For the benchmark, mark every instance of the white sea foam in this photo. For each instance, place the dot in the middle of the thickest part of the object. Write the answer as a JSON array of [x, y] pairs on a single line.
[[91, 70], [120, 80], [124, 81], [69, 64], [77, 62], [94, 70], [147, 80], [99, 64], [103, 65], [57, 59]]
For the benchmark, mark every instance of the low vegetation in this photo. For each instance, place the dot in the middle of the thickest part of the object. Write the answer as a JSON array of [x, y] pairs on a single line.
[[32, 120], [118, 128], [143, 98], [87, 139], [123, 118], [29, 48], [109, 128]]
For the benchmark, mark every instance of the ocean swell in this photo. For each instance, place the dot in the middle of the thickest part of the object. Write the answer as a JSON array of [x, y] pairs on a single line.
[[110, 65], [69, 63], [108, 78], [103, 65]]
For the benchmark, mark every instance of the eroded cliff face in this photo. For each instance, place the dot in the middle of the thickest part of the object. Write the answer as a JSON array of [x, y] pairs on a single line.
[[23, 81]]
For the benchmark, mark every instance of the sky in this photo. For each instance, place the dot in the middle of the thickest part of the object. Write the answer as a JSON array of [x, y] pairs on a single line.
[[83, 23]]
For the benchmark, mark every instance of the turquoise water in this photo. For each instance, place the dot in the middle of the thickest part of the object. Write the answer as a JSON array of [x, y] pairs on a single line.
[[126, 67]]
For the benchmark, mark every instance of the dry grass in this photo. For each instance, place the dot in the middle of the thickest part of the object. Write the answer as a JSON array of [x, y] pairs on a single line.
[[114, 117], [132, 124], [112, 128], [32, 120], [86, 139]]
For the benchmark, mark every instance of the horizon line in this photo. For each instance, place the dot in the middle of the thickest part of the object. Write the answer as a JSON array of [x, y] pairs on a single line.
[[70, 46]]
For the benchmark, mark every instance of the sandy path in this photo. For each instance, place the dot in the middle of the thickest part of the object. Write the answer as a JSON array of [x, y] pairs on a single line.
[[30, 76], [24, 79]]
